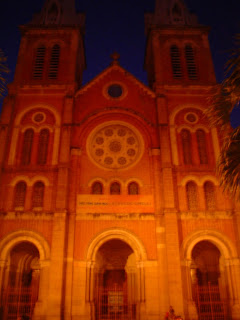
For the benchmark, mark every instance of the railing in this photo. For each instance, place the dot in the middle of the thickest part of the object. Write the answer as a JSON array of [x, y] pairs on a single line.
[[19, 303], [113, 303], [209, 303]]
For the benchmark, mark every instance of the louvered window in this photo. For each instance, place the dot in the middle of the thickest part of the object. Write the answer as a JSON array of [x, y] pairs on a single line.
[[191, 63], [191, 190], [202, 147], [39, 63], [176, 62], [54, 62], [187, 146], [209, 193], [97, 188], [133, 188], [20, 194], [27, 147], [115, 188], [43, 146], [38, 194]]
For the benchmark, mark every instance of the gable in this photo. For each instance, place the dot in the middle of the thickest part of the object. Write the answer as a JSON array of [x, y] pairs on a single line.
[[115, 88]]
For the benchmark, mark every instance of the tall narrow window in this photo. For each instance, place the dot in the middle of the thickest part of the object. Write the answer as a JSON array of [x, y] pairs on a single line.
[[38, 194], [54, 62], [20, 194], [133, 188], [53, 14], [27, 147], [187, 146], [39, 63], [209, 193], [191, 63], [176, 62], [115, 188], [202, 146], [43, 146], [97, 188], [191, 190], [177, 14]]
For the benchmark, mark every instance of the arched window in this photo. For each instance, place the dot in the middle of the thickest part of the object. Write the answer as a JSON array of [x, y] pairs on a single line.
[[209, 193], [38, 194], [20, 194], [202, 147], [187, 146], [52, 14], [43, 146], [115, 188], [54, 62], [97, 188], [39, 63], [191, 190], [190, 62], [133, 188], [177, 15], [27, 147], [176, 62]]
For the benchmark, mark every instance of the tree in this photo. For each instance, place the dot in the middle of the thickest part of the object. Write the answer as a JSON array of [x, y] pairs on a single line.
[[3, 71], [222, 101]]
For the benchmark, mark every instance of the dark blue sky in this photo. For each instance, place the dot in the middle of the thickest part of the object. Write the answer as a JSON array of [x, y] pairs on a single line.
[[117, 25]]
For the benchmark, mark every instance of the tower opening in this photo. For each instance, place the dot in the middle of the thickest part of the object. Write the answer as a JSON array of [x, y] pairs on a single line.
[[115, 281]]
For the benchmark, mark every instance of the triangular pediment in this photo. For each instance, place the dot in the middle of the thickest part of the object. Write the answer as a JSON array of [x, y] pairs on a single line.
[[115, 73]]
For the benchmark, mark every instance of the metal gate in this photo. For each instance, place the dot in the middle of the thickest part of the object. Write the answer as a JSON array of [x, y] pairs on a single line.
[[19, 302], [209, 304], [114, 303]]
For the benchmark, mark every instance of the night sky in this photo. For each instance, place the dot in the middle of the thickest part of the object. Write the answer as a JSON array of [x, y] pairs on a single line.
[[118, 25]]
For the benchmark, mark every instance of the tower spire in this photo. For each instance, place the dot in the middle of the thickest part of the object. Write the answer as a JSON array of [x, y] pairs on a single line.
[[59, 12], [170, 12]]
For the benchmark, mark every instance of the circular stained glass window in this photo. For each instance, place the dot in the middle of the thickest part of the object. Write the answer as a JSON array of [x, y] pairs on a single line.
[[191, 117], [115, 91], [115, 146], [38, 117]]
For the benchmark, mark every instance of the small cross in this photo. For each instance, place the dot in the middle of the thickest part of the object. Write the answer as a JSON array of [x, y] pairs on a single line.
[[115, 57]]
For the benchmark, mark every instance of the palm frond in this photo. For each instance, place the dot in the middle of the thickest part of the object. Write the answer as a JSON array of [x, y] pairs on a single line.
[[223, 98], [229, 164]]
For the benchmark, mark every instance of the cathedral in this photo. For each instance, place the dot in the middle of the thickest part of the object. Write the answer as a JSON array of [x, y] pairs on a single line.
[[110, 207]]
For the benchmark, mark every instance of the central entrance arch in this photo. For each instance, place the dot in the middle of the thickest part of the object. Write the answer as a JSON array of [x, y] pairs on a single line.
[[115, 277], [115, 281]]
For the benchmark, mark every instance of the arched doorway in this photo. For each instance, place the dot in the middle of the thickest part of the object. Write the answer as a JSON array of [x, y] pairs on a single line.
[[208, 284], [115, 281], [21, 282]]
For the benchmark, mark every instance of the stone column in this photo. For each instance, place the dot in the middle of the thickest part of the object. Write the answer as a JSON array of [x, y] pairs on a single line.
[[56, 271], [235, 276], [40, 309], [141, 303], [2, 279], [188, 281]]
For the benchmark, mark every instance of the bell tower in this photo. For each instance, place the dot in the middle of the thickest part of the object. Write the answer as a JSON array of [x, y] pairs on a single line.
[[52, 46], [177, 50]]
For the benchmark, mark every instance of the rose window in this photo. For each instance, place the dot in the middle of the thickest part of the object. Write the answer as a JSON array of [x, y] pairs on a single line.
[[115, 146]]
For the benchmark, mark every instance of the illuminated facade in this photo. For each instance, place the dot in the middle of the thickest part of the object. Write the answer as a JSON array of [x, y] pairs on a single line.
[[110, 207]]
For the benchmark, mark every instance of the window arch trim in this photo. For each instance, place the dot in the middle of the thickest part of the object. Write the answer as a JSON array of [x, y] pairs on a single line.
[[38, 193], [117, 184], [94, 184], [209, 195], [176, 63], [20, 192], [192, 195], [27, 147], [135, 184]]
